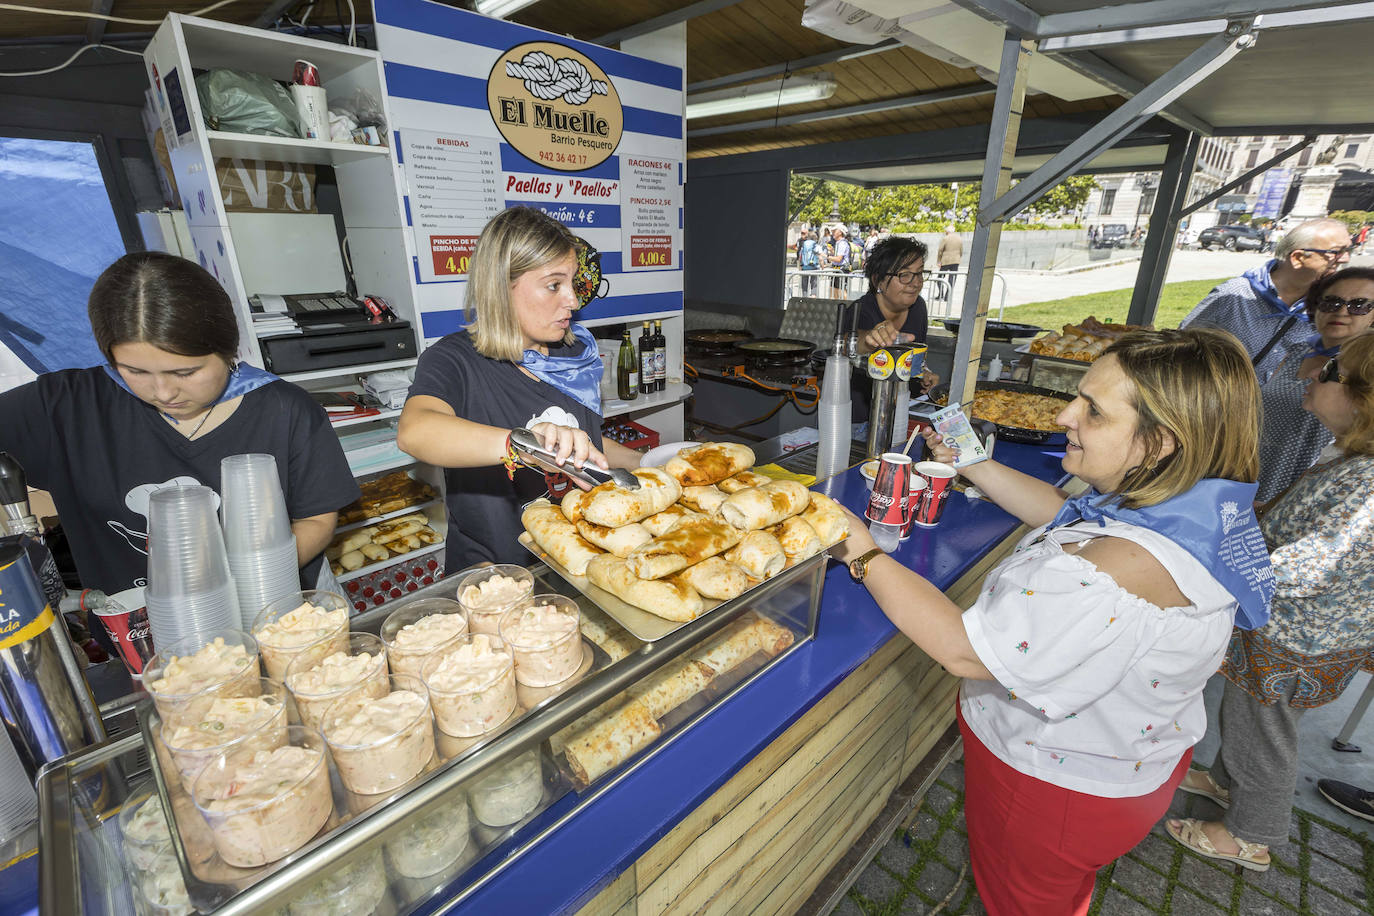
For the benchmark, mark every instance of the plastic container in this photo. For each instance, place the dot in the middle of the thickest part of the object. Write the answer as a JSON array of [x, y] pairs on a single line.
[[352, 888], [318, 685], [221, 724], [161, 890], [431, 843], [545, 636], [313, 624], [144, 827], [510, 792], [410, 638], [255, 816], [189, 586], [380, 744], [471, 685], [192, 670], [487, 593]]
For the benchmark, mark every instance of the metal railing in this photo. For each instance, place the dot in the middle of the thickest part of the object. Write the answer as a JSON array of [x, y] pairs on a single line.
[[941, 289]]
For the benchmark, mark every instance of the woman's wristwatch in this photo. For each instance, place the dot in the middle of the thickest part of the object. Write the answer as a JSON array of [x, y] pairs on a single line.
[[858, 567]]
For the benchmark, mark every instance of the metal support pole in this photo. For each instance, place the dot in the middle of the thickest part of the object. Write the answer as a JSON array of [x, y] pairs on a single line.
[[987, 233], [1246, 176], [1179, 162]]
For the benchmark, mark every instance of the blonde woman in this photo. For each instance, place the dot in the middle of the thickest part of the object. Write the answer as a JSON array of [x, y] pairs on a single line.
[[1086, 652], [520, 362], [1320, 634]]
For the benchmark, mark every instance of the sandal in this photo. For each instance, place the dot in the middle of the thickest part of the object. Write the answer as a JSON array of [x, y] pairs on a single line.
[[1188, 831], [1200, 782]]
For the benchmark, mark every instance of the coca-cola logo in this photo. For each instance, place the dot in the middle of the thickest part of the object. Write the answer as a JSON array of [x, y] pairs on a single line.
[[139, 632], [881, 500]]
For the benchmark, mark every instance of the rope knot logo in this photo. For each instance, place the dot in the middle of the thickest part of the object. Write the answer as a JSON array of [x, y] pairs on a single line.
[[555, 106]]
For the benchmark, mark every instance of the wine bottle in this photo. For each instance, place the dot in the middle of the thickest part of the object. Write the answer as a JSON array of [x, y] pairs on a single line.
[[660, 358], [646, 360], [627, 369]]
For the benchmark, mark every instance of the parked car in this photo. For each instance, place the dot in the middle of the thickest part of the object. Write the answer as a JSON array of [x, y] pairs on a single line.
[[1112, 235], [1232, 238]]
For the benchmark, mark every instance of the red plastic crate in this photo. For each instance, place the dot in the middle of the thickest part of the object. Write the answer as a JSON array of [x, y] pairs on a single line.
[[630, 434]]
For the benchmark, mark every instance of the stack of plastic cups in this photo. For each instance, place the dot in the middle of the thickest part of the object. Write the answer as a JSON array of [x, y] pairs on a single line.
[[189, 588], [257, 533], [834, 417], [18, 800]]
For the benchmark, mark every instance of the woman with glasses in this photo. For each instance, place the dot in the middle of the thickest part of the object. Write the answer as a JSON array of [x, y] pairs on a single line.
[[892, 311], [1320, 630], [1339, 307]]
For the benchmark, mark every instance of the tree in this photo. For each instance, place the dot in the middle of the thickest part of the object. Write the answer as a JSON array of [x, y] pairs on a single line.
[[1069, 196]]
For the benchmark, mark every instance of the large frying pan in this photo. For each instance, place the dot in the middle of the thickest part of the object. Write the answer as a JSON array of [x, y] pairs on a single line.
[[998, 330], [940, 394]]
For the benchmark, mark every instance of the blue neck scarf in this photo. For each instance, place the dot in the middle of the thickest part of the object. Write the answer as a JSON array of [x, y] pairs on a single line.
[[579, 377], [1313, 347], [1215, 522], [1263, 285], [243, 378]]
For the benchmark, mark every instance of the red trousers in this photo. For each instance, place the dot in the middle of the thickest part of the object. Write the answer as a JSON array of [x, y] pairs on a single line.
[[1035, 847]]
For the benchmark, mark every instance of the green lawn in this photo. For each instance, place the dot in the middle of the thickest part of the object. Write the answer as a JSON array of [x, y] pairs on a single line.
[[1177, 300]]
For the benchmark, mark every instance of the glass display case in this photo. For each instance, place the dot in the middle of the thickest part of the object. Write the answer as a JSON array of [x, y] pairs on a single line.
[[478, 805]]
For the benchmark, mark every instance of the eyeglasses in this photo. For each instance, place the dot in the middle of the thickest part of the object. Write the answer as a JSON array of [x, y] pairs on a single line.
[[1331, 372], [1332, 254], [909, 277], [1353, 306]]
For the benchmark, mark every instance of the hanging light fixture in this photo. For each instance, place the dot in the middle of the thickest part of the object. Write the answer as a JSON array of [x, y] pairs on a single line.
[[500, 9], [791, 90]]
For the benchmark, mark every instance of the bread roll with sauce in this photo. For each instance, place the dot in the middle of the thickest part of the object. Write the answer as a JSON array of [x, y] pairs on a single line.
[[743, 481], [709, 462], [705, 500], [759, 554], [717, 577], [760, 507], [686, 544], [798, 539], [620, 541], [572, 504], [824, 515], [558, 537], [613, 506], [671, 599], [661, 523]]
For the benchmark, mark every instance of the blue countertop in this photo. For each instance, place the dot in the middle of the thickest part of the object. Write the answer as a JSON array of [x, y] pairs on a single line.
[[570, 866]]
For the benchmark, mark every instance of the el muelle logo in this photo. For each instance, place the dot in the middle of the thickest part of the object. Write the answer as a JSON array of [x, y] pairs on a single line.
[[555, 106]]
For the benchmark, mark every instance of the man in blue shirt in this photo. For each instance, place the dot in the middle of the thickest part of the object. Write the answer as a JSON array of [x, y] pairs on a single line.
[[1264, 306], [808, 258]]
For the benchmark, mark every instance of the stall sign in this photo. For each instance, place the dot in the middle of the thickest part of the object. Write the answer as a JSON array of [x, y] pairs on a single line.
[[261, 185]]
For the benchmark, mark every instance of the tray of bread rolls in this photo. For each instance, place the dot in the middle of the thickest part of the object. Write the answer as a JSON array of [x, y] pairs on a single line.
[[702, 530]]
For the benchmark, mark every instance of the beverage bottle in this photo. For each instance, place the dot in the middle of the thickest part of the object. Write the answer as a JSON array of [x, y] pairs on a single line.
[[646, 359], [660, 358], [627, 369]]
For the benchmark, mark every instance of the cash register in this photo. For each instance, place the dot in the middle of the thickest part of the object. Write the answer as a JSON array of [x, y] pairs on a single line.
[[306, 331]]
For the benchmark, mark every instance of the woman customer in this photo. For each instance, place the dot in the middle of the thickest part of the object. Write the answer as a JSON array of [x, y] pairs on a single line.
[[1339, 307], [521, 362], [1321, 631], [892, 311], [172, 401], [1087, 650]]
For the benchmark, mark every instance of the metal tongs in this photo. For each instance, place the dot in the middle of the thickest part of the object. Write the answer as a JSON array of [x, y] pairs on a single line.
[[529, 452]]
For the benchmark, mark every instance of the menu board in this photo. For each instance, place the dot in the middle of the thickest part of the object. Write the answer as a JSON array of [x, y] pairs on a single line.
[[490, 115]]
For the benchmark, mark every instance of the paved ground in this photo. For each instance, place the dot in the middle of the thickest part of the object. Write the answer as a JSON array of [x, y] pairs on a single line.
[[1327, 869]]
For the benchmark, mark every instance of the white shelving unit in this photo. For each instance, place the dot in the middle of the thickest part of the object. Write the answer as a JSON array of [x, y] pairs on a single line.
[[388, 562], [422, 507], [356, 421], [673, 393]]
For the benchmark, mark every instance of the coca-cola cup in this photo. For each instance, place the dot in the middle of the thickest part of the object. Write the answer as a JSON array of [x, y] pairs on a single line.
[[913, 504], [125, 618], [939, 480], [887, 504]]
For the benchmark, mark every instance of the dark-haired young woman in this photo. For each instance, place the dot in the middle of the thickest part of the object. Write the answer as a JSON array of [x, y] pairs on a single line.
[[170, 403], [892, 311]]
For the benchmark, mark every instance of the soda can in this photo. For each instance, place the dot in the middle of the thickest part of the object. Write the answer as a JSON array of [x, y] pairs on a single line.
[[913, 505], [305, 74], [887, 504], [939, 480]]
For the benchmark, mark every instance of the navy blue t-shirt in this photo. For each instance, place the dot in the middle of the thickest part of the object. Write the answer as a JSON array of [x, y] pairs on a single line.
[[483, 503], [99, 451], [870, 316]]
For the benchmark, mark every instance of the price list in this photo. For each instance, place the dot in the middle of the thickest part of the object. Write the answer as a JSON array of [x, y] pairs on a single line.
[[650, 201], [455, 187]]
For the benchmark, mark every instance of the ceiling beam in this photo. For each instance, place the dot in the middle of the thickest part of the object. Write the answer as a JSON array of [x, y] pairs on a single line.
[[848, 52], [1015, 17], [909, 101], [95, 29], [1094, 67], [1150, 13], [690, 11]]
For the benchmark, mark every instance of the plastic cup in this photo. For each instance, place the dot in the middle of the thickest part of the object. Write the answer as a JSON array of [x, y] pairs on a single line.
[[318, 685], [451, 746], [218, 663], [255, 517], [309, 623], [510, 792], [125, 618], [939, 478], [353, 887], [489, 592], [410, 638], [471, 685], [143, 826], [379, 744], [186, 554], [217, 725], [262, 806], [545, 636], [432, 842], [262, 577], [161, 889]]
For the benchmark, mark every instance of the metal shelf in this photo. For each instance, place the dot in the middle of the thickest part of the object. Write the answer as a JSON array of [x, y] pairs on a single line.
[[419, 507], [388, 562]]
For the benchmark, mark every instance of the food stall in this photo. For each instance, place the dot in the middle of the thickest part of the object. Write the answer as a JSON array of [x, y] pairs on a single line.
[[725, 799]]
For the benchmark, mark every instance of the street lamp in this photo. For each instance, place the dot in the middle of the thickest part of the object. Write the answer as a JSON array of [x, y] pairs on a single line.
[[955, 186]]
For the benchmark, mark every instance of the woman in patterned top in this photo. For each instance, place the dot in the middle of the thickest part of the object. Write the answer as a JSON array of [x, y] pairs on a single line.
[[1321, 631], [1339, 307], [1087, 650]]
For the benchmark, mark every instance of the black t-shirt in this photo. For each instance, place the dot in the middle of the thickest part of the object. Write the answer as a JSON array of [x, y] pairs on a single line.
[[100, 451], [483, 503], [870, 316]]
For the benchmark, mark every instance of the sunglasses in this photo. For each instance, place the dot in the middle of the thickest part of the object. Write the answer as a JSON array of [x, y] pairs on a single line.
[[1331, 372], [1331, 253], [1353, 306]]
